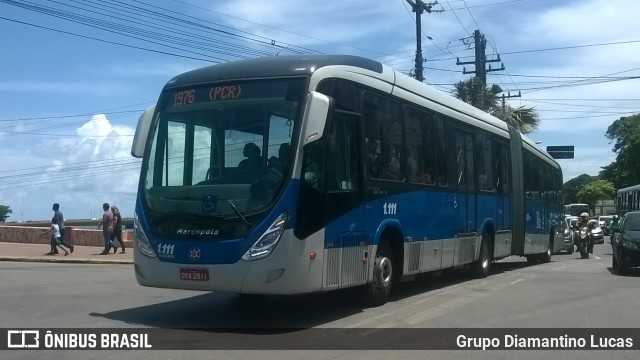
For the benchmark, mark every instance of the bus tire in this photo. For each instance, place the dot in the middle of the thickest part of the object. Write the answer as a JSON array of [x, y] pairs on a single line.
[[377, 291], [480, 268], [546, 257]]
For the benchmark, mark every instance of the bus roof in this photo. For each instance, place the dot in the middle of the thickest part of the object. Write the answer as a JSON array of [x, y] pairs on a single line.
[[296, 65], [627, 189], [271, 66]]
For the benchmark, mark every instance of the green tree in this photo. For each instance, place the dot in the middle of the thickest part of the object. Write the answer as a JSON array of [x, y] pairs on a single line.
[[473, 92], [572, 187], [594, 191], [4, 212], [624, 133]]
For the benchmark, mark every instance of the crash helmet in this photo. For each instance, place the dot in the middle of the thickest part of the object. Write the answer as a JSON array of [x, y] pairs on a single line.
[[584, 216]]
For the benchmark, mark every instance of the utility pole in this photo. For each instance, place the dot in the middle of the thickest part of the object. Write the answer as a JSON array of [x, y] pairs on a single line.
[[480, 63], [419, 7], [504, 106]]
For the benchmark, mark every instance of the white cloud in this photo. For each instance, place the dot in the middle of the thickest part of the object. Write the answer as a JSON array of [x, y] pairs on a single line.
[[79, 172]]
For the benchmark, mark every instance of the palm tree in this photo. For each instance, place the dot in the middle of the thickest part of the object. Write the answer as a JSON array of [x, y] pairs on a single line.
[[473, 92], [524, 119]]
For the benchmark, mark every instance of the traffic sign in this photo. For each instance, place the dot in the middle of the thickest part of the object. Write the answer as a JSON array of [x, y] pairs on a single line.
[[561, 152]]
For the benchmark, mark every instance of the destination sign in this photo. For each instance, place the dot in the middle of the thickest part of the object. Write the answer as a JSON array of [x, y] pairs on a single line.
[[227, 92]]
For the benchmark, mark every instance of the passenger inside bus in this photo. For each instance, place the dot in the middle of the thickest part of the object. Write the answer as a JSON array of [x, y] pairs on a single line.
[[312, 171], [391, 163], [280, 162], [412, 166], [482, 183], [425, 177], [252, 154], [373, 160]]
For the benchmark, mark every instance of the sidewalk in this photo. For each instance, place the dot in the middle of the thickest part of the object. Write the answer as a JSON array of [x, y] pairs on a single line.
[[81, 254]]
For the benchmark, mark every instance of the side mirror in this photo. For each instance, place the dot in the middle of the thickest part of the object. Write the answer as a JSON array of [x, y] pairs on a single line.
[[142, 132], [317, 114]]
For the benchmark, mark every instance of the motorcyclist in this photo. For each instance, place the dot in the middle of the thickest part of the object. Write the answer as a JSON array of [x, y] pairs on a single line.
[[615, 225], [584, 221]]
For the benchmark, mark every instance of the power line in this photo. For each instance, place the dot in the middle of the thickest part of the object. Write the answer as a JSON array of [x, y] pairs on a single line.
[[73, 116], [571, 47], [108, 41]]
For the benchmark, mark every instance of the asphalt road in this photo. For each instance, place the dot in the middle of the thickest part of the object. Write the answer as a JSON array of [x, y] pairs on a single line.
[[566, 293]]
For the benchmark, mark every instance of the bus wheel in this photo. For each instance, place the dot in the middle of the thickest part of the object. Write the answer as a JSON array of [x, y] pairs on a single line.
[[378, 290], [546, 257], [480, 269]]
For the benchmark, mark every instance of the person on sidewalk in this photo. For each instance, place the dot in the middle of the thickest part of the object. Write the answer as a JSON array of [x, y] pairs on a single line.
[[117, 229], [55, 238], [57, 214], [107, 228]]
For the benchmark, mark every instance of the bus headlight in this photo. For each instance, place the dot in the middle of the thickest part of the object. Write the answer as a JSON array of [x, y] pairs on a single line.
[[141, 239], [267, 242], [630, 245]]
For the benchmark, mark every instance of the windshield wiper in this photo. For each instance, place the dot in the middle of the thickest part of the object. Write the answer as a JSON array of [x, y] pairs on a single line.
[[238, 212]]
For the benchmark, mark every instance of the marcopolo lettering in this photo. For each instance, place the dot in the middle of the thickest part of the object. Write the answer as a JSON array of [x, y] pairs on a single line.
[[200, 232]]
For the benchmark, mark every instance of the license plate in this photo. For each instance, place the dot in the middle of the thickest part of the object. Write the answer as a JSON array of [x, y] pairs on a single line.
[[198, 274]]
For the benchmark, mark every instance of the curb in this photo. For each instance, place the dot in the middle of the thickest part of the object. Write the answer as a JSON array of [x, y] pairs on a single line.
[[67, 261]]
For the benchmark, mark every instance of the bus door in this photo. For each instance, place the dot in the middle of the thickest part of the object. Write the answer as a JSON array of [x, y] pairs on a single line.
[[466, 198], [345, 229]]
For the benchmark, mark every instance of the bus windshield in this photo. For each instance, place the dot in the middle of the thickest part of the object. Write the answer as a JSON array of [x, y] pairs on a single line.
[[221, 150]]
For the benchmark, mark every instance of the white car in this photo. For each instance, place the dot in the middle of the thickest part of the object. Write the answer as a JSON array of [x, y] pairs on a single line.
[[596, 233], [604, 222]]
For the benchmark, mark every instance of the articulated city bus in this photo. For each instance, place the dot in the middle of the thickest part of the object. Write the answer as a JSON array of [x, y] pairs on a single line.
[[628, 199], [299, 174]]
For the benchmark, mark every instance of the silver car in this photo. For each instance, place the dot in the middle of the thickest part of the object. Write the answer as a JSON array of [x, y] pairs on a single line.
[[596, 232], [568, 240]]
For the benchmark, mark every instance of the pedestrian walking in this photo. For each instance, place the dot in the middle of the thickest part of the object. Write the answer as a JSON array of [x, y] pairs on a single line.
[[117, 229], [107, 228], [57, 214], [55, 237]]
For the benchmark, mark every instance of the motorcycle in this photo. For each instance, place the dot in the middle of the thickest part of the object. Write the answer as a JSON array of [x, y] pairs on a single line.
[[583, 239]]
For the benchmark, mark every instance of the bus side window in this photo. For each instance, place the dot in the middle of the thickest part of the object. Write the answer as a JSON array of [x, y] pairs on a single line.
[[441, 153], [383, 119]]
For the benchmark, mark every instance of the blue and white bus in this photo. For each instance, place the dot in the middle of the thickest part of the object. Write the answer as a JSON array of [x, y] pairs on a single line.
[[628, 199], [299, 174]]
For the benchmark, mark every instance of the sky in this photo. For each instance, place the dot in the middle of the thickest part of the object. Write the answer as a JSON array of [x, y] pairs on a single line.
[[76, 75]]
